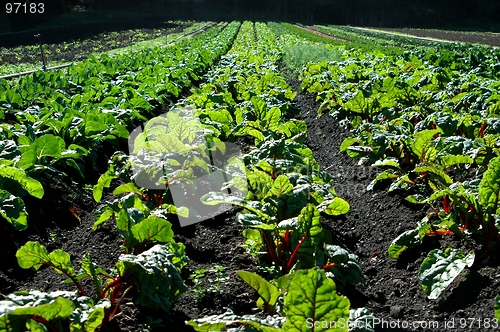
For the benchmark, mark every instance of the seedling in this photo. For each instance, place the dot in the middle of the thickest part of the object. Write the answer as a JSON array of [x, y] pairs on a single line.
[[199, 279], [219, 278]]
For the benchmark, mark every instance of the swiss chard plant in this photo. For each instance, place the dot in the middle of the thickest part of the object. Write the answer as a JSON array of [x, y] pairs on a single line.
[[307, 291], [38, 311], [153, 275], [304, 301], [15, 184]]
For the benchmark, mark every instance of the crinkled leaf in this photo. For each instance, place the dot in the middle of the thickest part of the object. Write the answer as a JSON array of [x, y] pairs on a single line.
[[13, 209], [156, 279], [489, 189], [19, 308], [214, 198], [345, 266], [440, 268], [362, 320], [8, 149], [390, 162], [218, 322], [87, 317]]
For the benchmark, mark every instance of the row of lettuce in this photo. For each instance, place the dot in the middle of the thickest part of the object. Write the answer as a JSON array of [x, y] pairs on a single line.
[[58, 125], [431, 122]]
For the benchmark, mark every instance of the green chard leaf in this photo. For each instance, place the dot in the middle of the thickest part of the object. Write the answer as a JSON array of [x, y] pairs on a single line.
[[218, 322], [334, 207], [13, 209], [406, 240], [312, 300], [33, 255], [423, 142], [156, 279], [440, 268], [268, 292], [489, 188], [150, 230], [19, 309], [19, 177], [309, 223], [381, 176], [343, 265]]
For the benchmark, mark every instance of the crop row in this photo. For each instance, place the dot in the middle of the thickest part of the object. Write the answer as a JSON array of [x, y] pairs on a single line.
[[278, 184], [443, 48], [481, 60], [282, 190], [56, 121], [64, 122], [432, 126]]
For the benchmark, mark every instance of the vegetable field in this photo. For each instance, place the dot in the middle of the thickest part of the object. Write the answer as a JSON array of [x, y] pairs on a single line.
[[353, 184]]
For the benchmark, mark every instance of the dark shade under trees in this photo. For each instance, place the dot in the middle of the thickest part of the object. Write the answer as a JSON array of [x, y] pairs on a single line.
[[376, 13]]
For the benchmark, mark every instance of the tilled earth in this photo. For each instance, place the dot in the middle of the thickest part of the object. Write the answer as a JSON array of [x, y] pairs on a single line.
[[392, 292]]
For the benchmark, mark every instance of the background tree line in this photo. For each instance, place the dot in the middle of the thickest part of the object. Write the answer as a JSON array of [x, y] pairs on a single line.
[[375, 13]]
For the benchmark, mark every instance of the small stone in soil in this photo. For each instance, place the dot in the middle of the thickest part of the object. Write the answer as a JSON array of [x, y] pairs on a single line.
[[396, 311]]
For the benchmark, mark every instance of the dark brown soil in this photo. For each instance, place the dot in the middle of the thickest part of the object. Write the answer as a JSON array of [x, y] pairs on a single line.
[[488, 38], [392, 290]]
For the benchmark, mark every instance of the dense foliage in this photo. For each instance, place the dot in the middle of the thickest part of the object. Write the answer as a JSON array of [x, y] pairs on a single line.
[[429, 119]]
